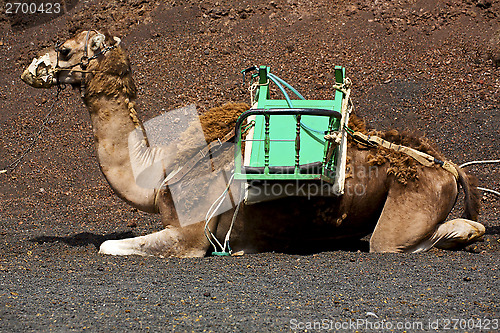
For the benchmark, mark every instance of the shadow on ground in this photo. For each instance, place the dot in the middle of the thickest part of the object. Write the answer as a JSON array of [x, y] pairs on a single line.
[[492, 230], [83, 239]]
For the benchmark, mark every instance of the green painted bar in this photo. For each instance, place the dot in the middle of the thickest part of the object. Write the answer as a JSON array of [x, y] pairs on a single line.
[[282, 153], [286, 142]]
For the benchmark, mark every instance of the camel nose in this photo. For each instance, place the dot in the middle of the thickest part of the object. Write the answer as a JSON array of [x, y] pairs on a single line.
[[28, 78], [39, 73]]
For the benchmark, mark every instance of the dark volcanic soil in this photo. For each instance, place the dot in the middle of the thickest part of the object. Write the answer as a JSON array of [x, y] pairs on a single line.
[[421, 65]]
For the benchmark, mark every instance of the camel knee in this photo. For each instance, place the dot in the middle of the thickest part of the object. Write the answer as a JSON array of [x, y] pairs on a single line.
[[381, 244], [457, 233]]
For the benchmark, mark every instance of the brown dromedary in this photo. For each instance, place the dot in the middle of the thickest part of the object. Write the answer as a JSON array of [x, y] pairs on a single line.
[[403, 203]]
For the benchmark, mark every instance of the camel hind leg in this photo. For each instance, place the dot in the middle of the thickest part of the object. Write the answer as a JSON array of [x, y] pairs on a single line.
[[450, 235], [413, 215]]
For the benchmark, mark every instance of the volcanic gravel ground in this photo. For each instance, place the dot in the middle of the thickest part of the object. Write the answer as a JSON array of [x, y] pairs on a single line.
[[418, 65]]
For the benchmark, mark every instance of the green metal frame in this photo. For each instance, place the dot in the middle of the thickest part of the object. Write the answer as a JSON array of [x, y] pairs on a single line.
[[287, 136]]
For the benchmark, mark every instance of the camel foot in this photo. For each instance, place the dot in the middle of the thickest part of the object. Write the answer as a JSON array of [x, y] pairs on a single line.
[[458, 233]]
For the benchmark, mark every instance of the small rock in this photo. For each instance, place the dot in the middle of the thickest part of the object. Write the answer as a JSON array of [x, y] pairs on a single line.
[[467, 279], [351, 10], [494, 48], [484, 4]]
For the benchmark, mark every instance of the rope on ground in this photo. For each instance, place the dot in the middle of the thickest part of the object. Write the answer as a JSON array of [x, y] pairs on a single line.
[[479, 162], [488, 190], [12, 166], [483, 162]]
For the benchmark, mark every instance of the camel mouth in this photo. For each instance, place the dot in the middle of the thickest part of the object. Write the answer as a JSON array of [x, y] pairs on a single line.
[[40, 73]]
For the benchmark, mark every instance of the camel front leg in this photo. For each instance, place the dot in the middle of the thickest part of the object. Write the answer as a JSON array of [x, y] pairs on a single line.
[[170, 242]]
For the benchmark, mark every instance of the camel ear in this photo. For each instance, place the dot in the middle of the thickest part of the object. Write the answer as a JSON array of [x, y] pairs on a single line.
[[97, 41], [110, 40]]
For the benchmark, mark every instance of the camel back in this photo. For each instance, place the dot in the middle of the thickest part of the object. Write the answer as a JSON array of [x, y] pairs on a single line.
[[219, 121]]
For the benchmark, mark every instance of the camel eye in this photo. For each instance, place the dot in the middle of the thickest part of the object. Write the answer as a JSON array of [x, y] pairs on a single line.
[[65, 52]]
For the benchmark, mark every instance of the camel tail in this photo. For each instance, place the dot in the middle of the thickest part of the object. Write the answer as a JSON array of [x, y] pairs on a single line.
[[472, 203]]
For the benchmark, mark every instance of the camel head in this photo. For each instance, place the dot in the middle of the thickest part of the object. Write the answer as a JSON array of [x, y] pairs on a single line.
[[67, 62]]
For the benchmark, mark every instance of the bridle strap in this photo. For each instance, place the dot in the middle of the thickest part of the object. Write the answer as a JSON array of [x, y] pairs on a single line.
[[84, 61]]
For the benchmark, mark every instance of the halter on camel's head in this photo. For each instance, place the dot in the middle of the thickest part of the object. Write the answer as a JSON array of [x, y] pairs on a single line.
[[68, 62]]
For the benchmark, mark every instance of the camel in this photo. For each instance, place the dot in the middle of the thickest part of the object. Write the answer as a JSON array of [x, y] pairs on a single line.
[[403, 205]]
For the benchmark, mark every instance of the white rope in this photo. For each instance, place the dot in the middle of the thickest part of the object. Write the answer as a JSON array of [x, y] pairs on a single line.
[[211, 212], [483, 162], [479, 162], [228, 234], [341, 162], [253, 87], [488, 190]]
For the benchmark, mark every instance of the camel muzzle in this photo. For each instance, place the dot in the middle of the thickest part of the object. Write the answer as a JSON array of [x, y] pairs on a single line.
[[40, 73]]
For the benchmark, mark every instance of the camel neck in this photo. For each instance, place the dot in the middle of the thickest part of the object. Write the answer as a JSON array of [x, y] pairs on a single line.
[[114, 118]]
